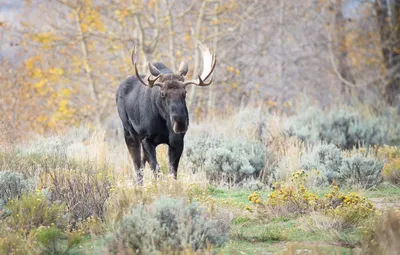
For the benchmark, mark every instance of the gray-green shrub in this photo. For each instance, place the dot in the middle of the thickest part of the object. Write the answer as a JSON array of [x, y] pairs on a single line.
[[166, 226], [327, 159], [345, 127], [13, 185], [361, 171], [357, 170], [225, 159]]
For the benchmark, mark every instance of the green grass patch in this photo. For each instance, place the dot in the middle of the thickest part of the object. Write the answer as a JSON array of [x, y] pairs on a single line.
[[237, 195], [279, 229], [390, 191], [244, 247], [240, 220]]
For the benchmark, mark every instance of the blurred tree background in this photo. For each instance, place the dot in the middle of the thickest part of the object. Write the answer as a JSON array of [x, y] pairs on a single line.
[[62, 60]]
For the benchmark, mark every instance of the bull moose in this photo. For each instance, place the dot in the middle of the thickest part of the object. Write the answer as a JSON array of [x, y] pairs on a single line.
[[155, 112]]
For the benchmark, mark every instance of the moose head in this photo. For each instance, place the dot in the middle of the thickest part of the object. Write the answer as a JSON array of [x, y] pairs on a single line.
[[173, 86]]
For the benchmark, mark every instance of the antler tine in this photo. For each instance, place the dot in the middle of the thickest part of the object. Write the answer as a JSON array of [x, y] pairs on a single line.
[[206, 53], [152, 82], [134, 58], [213, 64]]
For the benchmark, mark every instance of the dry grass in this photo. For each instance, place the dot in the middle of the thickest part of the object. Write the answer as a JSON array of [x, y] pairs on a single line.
[[384, 235], [318, 221], [287, 151], [4, 137]]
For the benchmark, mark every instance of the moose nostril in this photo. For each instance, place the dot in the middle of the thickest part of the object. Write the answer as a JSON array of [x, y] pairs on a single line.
[[178, 118]]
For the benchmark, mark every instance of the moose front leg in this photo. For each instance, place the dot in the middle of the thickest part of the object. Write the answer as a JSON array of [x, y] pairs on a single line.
[[149, 150], [174, 155]]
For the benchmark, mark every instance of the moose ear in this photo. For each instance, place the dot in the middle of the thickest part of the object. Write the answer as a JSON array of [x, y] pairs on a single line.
[[183, 68], [153, 70]]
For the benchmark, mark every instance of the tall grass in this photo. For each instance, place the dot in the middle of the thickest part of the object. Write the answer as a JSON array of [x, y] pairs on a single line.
[[89, 174]]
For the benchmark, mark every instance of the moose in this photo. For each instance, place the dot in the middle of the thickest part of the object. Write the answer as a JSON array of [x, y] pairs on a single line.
[[155, 112]]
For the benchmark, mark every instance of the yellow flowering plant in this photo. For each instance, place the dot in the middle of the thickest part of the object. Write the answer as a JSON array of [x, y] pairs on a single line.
[[352, 208], [292, 197]]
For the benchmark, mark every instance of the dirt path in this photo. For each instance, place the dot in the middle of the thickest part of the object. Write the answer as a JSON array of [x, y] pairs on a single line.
[[383, 203]]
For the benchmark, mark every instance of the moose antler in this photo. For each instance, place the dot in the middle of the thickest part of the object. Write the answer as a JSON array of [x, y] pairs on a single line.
[[209, 62], [151, 82]]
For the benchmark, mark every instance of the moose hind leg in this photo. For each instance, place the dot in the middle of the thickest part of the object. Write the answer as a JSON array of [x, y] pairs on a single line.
[[144, 158], [133, 144], [149, 150]]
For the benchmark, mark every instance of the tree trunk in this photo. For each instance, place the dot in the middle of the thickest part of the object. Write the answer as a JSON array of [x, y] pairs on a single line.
[[281, 67], [92, 85], [171, 36], [215, 44], [197, 58], [340, 50], [388, 14]]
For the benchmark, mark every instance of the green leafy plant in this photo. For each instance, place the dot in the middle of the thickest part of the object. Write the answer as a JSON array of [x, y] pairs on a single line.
[[34, 210]]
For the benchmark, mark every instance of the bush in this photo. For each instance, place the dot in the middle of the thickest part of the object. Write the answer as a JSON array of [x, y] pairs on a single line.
[[327, 159], [34, 210], [361, 171], [52, 240], [351, 208], [82, 186], [307, 126], [225, 160], [253, 185], [57, 144], [13, 185], [294, 198], [387, 152], [288, 198], [391, 171], [346, 128], [356, 170], [32, 164], [84, 190], [167, 225]]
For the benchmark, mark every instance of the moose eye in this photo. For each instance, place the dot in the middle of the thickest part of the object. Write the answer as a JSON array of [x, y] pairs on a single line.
[[162, 94]]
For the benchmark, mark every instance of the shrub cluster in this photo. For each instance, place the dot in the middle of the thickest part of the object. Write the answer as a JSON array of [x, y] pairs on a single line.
[[13, 185], [355, 170], [84, 190], [293, 198], [35, 225], [82, 186], [165, 226], [287, 198], [345, 128], [34, 210], [350, 207], [391, 171], [224, 159]]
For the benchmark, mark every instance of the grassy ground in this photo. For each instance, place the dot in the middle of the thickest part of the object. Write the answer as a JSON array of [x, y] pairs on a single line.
[[254, 236], [95, 194]]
